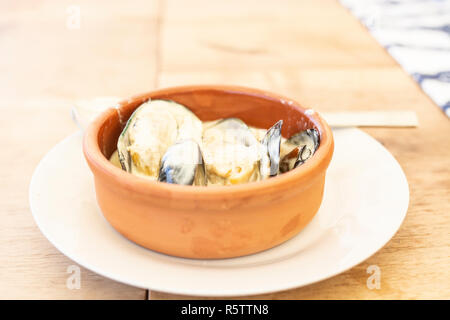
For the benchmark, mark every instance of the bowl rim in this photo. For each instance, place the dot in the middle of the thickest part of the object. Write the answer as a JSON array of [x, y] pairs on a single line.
[[311, 168]]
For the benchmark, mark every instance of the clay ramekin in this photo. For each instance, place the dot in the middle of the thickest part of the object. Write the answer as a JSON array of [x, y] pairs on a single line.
[[216, 221]]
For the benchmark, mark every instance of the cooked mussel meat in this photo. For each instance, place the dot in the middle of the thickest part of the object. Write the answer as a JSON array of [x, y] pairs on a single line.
[[231, 152], [183, 164], [151, 129]]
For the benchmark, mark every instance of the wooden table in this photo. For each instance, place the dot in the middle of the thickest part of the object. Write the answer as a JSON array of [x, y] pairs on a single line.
[[313, 51]]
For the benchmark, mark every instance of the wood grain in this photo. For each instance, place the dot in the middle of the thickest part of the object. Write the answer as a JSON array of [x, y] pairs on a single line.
[[313, 51], [46, 67], [317, 53]]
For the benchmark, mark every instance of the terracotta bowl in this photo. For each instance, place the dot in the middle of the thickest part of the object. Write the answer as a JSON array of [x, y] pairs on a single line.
[[216, 221]]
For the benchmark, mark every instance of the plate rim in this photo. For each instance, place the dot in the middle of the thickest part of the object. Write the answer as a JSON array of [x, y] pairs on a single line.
[[218, 292]]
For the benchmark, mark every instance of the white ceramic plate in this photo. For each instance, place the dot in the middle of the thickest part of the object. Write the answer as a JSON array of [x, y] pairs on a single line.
[[366, 199]]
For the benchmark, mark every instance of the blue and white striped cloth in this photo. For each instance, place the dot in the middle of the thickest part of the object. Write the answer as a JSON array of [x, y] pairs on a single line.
[[417, 34]]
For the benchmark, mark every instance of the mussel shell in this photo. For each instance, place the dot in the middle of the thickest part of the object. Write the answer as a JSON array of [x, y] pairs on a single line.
[[270, 159], [123, 142], [296, 157], [304, 154], [308, 137], [305, 144], [183, 164]]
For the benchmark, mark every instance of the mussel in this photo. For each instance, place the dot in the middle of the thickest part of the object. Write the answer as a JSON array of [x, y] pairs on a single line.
[[165, 141], [270, 156], [231, 152], [183, 164], [151, 129], [299, 148]]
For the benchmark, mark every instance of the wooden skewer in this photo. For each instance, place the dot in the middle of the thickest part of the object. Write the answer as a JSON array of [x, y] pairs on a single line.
[[371, 119]]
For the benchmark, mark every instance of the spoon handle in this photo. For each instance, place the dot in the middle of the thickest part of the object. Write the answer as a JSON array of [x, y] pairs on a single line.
[[397, 118]]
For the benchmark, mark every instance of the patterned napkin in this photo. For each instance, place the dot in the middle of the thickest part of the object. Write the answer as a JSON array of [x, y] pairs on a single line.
[[417, 34]]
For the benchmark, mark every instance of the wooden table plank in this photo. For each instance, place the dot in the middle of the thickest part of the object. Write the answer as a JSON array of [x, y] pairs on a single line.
[[312, 51], [317, 53], [45, 67]]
